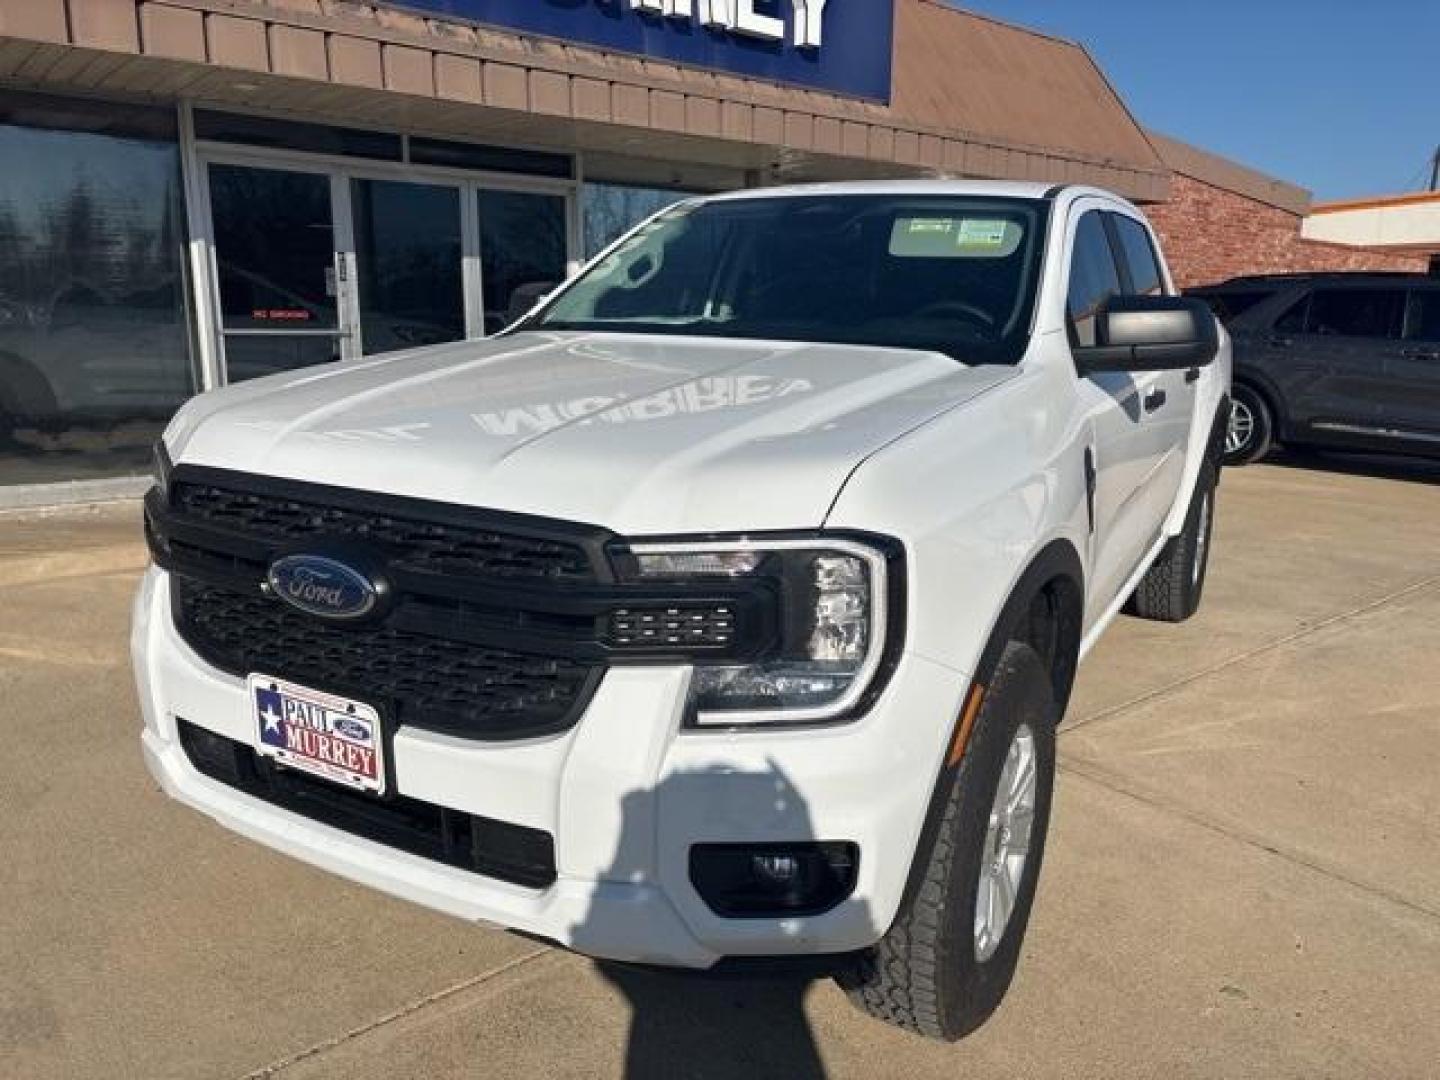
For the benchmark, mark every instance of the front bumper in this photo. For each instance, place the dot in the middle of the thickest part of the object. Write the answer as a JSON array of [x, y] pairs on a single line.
[[624, 793]]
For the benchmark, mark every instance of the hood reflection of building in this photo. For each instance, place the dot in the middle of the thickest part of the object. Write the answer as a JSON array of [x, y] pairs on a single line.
[[700, 395]]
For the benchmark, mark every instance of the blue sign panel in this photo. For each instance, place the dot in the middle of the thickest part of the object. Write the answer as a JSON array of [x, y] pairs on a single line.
[[840, 46]]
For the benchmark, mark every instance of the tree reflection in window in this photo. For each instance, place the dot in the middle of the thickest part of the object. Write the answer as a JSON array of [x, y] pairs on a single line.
[[94, 339]]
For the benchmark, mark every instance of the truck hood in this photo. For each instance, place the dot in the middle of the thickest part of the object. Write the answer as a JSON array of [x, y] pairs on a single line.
[[640, 434]]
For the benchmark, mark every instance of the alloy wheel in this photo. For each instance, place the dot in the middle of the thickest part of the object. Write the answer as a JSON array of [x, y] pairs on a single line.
[[1007, 843], [1241, 428]]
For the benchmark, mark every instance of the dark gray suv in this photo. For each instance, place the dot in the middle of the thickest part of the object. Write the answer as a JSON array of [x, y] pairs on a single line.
[[1350, 361]]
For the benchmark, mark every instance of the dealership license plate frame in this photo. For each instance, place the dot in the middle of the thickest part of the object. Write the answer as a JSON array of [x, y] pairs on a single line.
[[334, 707]]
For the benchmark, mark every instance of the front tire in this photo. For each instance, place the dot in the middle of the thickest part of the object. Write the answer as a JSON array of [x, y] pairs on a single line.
[[1250, 432], [946, 963]]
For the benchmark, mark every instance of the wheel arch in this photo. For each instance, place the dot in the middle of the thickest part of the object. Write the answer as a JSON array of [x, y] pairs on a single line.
[[1215, 447], [1265, 389], [1048, 598], [1045, 609]]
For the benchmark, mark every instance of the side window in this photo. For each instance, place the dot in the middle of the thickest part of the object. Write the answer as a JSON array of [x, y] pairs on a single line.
[[1093, 278], [1293, 321], [1423, 323], [1373, 313], [1231, 305], [1145, 276]]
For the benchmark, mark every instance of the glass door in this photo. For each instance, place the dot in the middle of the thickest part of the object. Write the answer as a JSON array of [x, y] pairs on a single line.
[[524, 247], [317, 261], [274, 237], [409, 267]]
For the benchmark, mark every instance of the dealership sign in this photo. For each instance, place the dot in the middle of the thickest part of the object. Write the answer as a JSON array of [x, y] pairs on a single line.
[[841, 46]]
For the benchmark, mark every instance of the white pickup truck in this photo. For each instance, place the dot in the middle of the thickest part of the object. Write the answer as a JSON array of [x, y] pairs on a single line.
[[722, 608]]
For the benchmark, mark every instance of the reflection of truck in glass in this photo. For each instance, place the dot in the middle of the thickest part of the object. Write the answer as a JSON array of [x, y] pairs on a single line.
[[86, 359], [724, 607]]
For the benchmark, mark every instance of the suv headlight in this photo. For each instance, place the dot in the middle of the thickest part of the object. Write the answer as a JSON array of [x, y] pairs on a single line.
[[835, 623]]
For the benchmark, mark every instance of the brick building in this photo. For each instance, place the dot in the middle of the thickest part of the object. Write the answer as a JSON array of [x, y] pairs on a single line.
[[1222, 220]]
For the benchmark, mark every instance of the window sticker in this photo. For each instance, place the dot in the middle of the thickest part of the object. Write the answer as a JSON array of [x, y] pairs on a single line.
[[932, 225], [954, 238], [985, 234]]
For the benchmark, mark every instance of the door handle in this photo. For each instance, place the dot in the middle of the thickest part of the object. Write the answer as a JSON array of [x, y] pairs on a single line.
[[1154, 400], [1193, 375], [1277, 342], [1421, 354]]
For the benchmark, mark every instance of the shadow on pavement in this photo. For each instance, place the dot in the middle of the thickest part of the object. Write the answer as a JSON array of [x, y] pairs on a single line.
[[708, 1025], [715, 1027], [1412, 470]]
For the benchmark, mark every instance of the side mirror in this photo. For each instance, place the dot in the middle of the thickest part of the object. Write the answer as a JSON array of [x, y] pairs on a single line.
[[524, 297], [1150, 333]]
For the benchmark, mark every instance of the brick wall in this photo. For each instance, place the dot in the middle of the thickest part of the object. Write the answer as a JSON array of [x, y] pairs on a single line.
[[1210, 234]]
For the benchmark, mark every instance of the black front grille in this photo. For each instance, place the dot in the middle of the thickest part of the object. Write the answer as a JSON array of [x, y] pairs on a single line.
[[483, 632], [487, 625], [431, 682], [497, 849], [416, 541]]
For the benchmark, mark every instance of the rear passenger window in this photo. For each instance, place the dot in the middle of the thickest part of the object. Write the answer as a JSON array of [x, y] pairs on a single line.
[[1231, 305], [1145, 276], [1093, 278], [1423, 323], [1373, 313]]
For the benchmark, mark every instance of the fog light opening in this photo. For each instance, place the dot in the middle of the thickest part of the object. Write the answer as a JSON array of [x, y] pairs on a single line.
[[774, 880], [212, 754]]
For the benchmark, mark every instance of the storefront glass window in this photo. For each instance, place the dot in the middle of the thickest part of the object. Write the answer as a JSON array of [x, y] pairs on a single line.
[[611, 209], [94, 340], [522, 252]]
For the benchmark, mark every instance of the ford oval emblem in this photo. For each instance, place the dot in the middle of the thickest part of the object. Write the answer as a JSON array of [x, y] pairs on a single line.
[[352, 728], [322, 586]]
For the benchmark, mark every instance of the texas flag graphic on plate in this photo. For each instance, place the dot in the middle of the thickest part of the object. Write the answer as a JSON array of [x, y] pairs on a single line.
[[319, 733]]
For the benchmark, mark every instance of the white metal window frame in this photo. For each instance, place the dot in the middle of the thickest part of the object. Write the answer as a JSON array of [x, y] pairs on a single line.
[[198, 155]]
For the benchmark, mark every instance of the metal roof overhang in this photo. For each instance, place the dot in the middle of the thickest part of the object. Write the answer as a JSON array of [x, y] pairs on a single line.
[[367, 65]]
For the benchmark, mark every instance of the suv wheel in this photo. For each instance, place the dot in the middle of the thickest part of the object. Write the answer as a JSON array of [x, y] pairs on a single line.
[[947, 962], [1171, 589], [1251, 430]]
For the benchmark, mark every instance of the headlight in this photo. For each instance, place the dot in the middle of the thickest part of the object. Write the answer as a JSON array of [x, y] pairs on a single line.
[[833, 609]]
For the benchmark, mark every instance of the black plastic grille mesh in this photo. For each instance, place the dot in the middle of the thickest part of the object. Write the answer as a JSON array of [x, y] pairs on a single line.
[[496, 849], [412, 543], [430, 682]]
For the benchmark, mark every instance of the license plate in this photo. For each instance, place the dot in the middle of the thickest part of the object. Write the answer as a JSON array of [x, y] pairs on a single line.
[[313, 732]]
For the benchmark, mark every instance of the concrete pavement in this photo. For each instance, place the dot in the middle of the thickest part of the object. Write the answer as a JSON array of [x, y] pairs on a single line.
[[1243, 877]]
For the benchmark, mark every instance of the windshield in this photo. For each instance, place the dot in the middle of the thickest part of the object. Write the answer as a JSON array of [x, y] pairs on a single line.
[[952, 274]]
